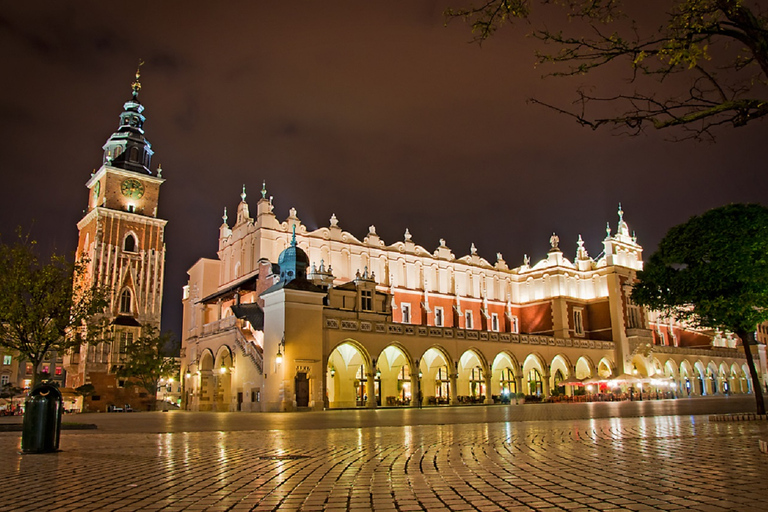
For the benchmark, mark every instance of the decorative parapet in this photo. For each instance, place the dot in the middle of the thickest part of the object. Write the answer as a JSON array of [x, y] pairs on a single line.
[[733, 353], [354, 325], [219, 325]]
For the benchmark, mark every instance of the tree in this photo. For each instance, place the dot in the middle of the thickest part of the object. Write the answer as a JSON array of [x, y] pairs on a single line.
[[40, 308], [712, 271], [145, 363], [710, 55]]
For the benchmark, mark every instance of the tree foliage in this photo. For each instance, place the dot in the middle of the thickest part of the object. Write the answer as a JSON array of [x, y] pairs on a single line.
[[40, 309], [717, 49], [145, 363], [712, 271]]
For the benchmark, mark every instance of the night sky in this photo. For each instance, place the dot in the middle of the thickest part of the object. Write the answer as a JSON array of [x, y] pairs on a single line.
[[373, 111]]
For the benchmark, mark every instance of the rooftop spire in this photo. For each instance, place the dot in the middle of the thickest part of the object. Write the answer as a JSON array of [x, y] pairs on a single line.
[[136, 85], [242, 194], [264, 189]]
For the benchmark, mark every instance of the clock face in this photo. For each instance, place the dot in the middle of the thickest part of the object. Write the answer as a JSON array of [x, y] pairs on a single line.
[[96, 189], [132, 188]]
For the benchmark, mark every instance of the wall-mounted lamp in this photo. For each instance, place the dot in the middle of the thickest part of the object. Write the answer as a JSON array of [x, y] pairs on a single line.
[[188, 375], [223, 368], [279, 356], [333, 372], [420, 374], [378, 374]]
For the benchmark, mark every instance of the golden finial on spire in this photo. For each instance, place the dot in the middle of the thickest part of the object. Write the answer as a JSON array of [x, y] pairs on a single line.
[[136, 85]]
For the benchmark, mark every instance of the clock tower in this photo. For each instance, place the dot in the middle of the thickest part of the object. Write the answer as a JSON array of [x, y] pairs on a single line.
[[123, 239]]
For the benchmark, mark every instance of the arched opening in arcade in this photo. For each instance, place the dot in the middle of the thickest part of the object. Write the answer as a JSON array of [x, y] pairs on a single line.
[[533, 369], [504, 379], [436, 377], [394, 386], [699, 378], [205, 388], [686, 379], [733, 380], [559, 370], [746, 383], [471, 380], [722, 376], [711, 382], [222, 378], [349, 377]]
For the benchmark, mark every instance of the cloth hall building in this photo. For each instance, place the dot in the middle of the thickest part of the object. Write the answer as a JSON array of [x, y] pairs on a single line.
[[289, 319]]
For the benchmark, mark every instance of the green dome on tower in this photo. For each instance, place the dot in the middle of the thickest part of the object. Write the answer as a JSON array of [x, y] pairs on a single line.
[[293, 262]]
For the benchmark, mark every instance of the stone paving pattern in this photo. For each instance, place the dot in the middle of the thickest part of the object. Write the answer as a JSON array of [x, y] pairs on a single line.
[[298, 461]]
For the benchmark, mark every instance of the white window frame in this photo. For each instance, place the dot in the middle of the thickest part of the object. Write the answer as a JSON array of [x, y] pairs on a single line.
[[495, 322], [469, 321], [439, 317], [514, 325], [405, 308]]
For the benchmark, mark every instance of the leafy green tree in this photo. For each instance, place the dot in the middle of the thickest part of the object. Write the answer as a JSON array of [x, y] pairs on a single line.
[[712, 271], [711, 55], [43, 306], [145, 363]]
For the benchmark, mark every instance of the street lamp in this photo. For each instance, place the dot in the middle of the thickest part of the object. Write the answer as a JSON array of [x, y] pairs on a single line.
[[279, 356]]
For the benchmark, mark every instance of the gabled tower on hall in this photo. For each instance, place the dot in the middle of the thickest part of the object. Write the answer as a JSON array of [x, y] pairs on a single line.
[[123, 240]]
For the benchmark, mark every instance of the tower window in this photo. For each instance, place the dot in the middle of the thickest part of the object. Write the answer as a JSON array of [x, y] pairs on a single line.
[[125, 301], [129, 245]]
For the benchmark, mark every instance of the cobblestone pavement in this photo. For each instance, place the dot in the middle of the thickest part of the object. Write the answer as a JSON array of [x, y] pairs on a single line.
[[298, 462]]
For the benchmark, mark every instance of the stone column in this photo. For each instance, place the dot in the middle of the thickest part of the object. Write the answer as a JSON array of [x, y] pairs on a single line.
[[454, 376], [370, 386], [488, 380], [546, 388]]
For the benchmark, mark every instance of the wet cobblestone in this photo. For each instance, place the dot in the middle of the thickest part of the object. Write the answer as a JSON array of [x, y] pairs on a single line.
[[628, 464]]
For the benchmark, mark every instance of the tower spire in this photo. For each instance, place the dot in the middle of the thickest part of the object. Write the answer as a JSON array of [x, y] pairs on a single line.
[[136, 85], [127, 148]]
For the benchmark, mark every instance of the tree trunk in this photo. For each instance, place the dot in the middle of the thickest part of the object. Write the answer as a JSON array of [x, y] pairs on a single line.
[[747, 341]]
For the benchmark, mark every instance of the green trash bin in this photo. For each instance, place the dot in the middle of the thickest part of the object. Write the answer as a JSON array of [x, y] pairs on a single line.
[[42, 420]]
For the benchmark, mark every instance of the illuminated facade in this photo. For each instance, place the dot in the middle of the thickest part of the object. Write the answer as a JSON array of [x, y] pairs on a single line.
[[123, 239], [380, 325]]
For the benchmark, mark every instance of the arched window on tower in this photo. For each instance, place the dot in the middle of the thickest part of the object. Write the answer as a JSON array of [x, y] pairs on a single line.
[[129, 244], [134, 155], [126, 301]]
